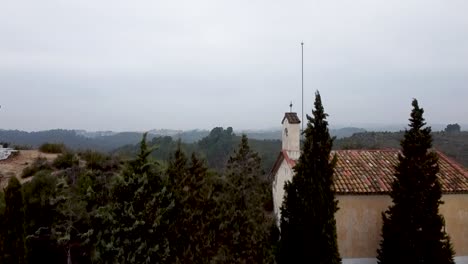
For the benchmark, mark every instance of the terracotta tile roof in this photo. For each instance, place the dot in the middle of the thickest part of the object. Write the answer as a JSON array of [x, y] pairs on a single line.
[[292, 118], [371, 171]]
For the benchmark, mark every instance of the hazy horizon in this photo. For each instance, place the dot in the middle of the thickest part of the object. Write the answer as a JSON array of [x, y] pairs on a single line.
[[126, 66], [366, 126]]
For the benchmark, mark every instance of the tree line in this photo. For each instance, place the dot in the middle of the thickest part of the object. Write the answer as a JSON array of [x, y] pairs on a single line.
[[215, 148], [138, 211], [93, 208]]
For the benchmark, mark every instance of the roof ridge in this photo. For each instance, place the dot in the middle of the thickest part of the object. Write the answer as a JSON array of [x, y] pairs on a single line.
[[369, 150], [452, 163]]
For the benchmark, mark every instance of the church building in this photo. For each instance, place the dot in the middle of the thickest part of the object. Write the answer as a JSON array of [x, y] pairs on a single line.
[[362, 183]]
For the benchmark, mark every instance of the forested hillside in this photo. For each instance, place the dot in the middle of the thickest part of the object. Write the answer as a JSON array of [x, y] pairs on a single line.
[[215, 148], [70, 138], [216, 145]]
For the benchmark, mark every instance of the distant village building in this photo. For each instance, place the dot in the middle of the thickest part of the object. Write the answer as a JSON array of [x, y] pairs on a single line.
[[362, 182]]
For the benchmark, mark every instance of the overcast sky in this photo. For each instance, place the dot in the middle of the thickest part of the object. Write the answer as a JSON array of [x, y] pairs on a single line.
[[139, 65]]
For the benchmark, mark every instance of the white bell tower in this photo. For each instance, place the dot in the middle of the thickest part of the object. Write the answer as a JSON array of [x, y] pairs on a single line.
[[291, 132]]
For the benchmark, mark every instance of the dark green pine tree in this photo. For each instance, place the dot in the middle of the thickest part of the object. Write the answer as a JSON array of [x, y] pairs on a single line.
[[192, 231], [136, 221], [308, 226], [14, 246], [245, 227], [178, 178], [413, 230]]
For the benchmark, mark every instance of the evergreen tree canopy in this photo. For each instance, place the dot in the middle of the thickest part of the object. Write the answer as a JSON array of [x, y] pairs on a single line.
[[308, 226], [413, 230], [14, 244], [452, 128], [245, 225], [137, 219]]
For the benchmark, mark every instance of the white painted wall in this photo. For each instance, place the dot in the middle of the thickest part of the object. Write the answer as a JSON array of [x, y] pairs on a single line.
[[291, 139], [284, 174]]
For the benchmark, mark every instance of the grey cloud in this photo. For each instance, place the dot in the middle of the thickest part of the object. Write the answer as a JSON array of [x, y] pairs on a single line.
[[124, 65]]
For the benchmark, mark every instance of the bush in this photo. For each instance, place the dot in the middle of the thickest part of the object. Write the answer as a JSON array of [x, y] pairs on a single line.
[[99, 161], [52, 148], [39, 164], [66, 160], [94, 160]]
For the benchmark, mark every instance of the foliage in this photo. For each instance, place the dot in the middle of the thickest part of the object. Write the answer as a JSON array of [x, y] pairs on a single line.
[[99, 161], [248, 238], [308, 226], [2, 204], [190, 236], [413, 230], [69, 228], [40, 214], [13, 244], [86, 208], [65, 160], [39, 164], [71, 138], [3, 226], [55, 148], [137, 218], [217, 146], [452, 128]]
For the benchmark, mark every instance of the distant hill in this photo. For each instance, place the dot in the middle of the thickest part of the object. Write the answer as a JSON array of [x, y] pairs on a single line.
[[71, 138], [215, 148], [109, 140], [276, 134], [346, 131], [212, 144]]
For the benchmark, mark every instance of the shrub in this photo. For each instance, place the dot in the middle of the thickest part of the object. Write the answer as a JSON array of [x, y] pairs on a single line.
[[99, 161], [94, 160], [65, 160], [39, 164], [52, 148]]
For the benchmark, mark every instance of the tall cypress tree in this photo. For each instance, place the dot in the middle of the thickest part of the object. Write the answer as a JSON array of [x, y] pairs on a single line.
[[413, 230], [308, 226], [14, 247]]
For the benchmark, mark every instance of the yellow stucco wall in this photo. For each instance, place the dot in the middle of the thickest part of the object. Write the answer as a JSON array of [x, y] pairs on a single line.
[[455, 212], [359, 223]]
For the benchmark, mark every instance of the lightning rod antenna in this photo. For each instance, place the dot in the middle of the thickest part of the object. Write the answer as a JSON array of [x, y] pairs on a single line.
[[302, 57]]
